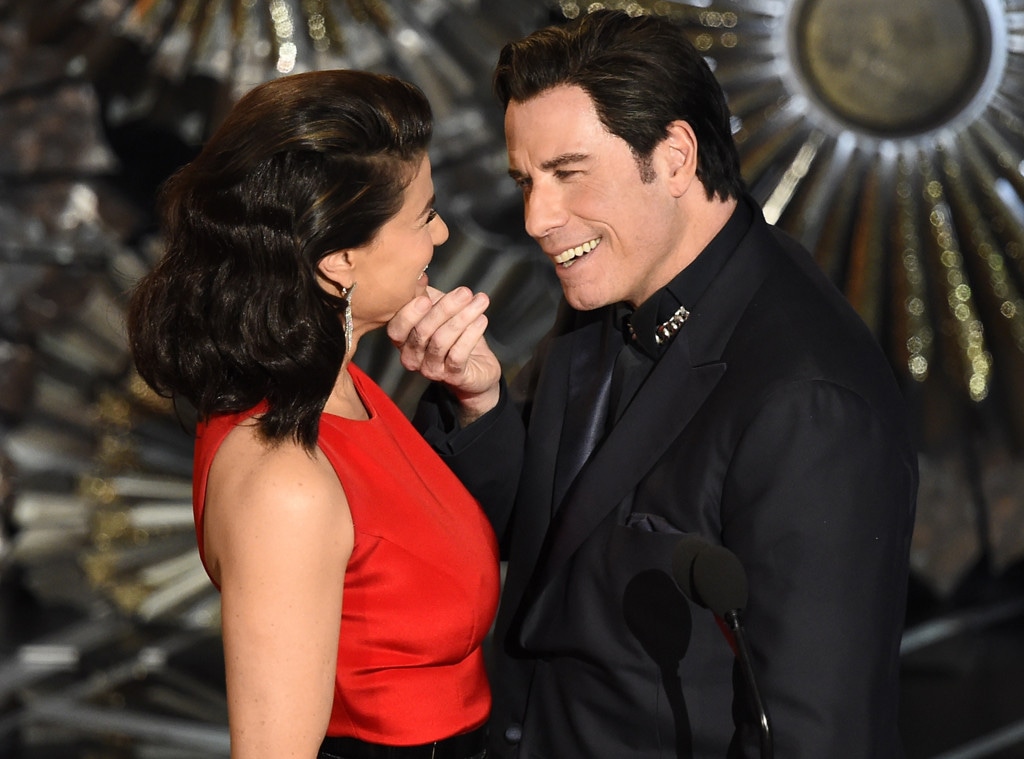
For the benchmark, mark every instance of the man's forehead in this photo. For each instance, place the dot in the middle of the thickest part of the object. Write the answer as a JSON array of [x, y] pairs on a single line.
[[548, 135]]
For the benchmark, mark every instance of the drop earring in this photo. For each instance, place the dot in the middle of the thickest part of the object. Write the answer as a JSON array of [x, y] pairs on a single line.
[[346, 294]]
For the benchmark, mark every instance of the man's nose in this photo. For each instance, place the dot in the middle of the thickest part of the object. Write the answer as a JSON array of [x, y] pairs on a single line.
[[544, 211]]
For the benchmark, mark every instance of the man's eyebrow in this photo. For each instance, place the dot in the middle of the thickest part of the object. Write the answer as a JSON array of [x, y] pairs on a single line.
[[558, 161], [551, 164]]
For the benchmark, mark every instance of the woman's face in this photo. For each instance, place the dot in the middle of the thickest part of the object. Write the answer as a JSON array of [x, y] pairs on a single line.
[[390, 270]]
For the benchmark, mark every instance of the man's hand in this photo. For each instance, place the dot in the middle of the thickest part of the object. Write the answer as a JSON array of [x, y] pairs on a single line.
[[441, 336]]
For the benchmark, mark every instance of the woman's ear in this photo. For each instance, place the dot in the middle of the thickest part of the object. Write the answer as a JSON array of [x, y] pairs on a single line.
[[335, 270], [680, 156]]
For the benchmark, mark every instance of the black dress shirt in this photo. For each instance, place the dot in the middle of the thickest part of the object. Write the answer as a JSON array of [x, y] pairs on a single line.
[[639, 327]]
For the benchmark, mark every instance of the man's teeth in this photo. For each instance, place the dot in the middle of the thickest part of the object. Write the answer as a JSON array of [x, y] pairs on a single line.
[[565, 258]]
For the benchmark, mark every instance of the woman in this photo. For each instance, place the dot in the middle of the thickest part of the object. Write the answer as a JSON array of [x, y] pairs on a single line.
[[306, 222]]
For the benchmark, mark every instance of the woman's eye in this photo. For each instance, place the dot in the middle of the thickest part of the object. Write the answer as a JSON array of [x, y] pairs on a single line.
[[432, 215]]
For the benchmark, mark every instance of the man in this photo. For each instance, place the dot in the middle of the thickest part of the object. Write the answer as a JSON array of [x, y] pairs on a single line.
[[702, 378]]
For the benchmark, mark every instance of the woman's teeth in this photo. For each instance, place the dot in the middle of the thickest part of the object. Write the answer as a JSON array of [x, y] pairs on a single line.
[[422, 272], [566, 257]]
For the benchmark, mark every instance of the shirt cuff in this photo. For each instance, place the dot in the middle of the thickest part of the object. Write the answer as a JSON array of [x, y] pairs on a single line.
[[437, 420]]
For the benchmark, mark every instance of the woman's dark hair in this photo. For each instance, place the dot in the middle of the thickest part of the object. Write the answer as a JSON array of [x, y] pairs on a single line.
[[641, 73], [233, 314]]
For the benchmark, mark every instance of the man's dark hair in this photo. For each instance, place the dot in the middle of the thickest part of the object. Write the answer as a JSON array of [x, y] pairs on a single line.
[[641, 73]]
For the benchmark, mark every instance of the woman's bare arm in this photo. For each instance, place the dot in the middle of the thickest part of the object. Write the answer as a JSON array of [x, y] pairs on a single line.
[[278, 535]]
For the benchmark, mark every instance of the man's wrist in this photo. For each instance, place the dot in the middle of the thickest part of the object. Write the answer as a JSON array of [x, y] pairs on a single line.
[[472, 407]]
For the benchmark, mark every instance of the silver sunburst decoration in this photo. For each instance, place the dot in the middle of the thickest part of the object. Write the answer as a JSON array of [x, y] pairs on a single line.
[[887, 136]]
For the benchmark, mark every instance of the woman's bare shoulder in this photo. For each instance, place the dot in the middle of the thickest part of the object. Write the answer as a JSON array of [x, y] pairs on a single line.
[[272, 497]]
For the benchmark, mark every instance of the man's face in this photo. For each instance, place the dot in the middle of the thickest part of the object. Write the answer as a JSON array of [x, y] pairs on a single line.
[[611, 236]]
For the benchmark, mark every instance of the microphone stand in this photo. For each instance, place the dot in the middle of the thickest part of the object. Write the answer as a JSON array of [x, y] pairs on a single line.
[[732, 618]]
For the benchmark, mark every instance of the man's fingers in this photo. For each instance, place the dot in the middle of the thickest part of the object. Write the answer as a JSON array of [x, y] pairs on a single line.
[[445, 335], [403, 322], [423, 332], [460, 352], [427, 329]]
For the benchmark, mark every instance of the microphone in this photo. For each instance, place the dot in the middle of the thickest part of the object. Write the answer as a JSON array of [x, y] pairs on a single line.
[[712, 577]]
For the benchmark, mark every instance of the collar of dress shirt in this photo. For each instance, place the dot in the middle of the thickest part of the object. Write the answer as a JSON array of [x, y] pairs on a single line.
[[688, 285]]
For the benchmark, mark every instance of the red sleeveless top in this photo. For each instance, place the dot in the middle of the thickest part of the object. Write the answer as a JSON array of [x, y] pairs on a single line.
[[421, 586]]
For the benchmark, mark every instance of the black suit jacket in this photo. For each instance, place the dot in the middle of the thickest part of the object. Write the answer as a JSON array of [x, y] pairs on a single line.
[[772, 425]]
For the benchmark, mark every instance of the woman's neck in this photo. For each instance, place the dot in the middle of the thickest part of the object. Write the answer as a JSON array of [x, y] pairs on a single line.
[[344, 400]]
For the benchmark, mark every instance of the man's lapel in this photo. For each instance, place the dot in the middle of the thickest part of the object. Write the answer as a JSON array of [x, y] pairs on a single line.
[[669, 398], [567, 415], [594, 349]]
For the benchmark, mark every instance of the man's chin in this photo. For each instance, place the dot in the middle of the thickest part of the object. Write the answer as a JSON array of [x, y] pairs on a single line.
[[583, 301]]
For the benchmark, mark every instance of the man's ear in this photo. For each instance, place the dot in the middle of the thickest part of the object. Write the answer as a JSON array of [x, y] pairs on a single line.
[[679, 153], [336, 270]]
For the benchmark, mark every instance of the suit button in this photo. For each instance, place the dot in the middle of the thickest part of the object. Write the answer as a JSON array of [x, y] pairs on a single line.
[[514, 733]]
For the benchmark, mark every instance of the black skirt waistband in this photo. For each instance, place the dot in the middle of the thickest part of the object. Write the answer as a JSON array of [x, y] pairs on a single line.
[[465, 746]]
